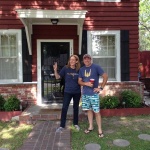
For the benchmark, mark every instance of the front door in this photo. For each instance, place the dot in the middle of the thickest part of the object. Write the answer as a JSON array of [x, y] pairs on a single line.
[[51, 52]]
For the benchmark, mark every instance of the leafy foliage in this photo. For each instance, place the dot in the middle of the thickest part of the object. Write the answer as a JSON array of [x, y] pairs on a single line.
[[2, 102], [108, 101], [144, 25], [12, 103], [131, 99]]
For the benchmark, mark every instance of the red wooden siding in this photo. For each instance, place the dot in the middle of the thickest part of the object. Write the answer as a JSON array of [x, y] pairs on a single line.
[[51, 32], [100, 16]]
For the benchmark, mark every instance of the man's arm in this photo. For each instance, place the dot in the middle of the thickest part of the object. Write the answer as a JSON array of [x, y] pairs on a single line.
[[80, 82], [105, 78]]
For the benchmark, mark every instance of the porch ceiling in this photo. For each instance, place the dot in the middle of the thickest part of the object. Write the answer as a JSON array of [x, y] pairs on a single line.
[[31, 17]]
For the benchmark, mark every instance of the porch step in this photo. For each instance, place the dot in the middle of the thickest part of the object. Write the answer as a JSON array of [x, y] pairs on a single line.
[[41, 113]]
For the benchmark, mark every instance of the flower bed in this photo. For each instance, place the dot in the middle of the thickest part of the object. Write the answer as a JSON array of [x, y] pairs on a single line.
[[7, 115], [125, 112]]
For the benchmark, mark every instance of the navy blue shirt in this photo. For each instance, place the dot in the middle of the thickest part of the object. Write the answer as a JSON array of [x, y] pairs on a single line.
[[91, 72], [71, 80]]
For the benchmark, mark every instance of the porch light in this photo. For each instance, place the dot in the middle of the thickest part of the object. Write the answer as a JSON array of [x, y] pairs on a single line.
[[54, 21]]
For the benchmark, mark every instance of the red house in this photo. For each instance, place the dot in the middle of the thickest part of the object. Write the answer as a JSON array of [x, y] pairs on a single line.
[[34, 34]]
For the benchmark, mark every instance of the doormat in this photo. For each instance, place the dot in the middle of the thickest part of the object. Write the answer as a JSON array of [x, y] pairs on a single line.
[[49, 111]]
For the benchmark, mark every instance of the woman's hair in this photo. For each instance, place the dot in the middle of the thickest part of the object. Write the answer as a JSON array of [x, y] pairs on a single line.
[[77, 65]]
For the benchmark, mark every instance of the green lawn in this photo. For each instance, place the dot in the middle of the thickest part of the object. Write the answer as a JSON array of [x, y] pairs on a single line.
[[12, 134], [127, 128]]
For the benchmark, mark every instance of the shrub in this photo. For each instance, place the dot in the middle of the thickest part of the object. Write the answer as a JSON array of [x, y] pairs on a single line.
[[2, 102], [12, 103], [131, 99], [109, 102]]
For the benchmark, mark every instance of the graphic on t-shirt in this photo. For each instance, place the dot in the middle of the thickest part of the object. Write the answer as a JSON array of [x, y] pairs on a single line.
[[87, 74], [72, 74]]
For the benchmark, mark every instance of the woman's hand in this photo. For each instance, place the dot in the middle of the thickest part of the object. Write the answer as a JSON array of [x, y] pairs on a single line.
[[55, 66]]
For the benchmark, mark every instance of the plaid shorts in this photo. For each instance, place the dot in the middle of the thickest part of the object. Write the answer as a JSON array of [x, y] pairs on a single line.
[[91, 102]]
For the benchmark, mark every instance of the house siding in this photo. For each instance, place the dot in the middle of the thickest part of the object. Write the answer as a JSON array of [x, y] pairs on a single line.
[[100, 16], [122, 15], [51, 32]]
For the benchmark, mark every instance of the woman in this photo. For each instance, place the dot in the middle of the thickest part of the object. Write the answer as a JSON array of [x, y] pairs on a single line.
[[72, 90]]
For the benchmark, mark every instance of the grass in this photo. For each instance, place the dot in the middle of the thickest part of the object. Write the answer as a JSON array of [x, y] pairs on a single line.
[[127, 128], [12, 134]]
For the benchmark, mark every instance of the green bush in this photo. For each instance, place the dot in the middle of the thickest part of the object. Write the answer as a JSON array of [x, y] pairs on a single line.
[[12, 103], [2, 102], [131, 99], [109, 102]]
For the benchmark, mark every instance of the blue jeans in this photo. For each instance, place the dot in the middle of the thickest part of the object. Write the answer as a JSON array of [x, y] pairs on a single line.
[[66, 102]]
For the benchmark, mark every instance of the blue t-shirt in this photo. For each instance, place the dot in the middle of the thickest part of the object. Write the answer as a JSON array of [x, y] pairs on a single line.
[[91, 72], [71, 80]]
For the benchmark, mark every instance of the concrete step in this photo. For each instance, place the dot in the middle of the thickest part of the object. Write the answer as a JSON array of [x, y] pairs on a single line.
[[43, 113]]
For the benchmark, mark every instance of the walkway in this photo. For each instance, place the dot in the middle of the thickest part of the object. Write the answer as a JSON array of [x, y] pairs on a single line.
[[44, 137]]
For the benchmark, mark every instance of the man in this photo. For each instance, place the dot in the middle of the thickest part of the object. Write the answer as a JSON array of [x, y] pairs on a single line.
[[90, 91]]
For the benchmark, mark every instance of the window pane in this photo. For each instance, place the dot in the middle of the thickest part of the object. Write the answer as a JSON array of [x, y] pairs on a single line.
[[103, 45], [8, 68], [5, 46], [108, 64], [111, 45], [13, 49]]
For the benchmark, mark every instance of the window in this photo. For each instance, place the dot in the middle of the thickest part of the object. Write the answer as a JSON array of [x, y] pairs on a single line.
[[104, 46], [10, 56], [103, 0]]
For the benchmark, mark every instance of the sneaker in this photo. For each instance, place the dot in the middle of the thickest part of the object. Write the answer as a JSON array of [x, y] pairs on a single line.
[[77, 127], [60, 129]]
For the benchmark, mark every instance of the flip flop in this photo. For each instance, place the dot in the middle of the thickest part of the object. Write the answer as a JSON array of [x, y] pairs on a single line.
[[100, 135], [87, 131]]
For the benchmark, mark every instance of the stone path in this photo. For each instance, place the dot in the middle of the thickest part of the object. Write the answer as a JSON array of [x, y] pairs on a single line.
[[117, 142]]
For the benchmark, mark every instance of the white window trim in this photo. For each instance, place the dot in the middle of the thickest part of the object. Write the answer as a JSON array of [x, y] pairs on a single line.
[[117, 44], [19, 42], [103, 0]]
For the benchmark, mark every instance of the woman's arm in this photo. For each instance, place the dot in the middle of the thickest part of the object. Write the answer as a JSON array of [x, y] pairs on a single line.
[[57, 76]]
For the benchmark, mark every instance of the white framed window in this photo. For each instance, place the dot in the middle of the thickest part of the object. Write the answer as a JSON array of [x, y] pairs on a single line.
[[104, 47], [10, 56], [103, 0]]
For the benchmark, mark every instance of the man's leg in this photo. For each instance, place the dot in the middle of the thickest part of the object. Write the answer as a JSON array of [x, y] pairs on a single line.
[[86, 106], [99, 122], [90, 119], [96, 108]]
